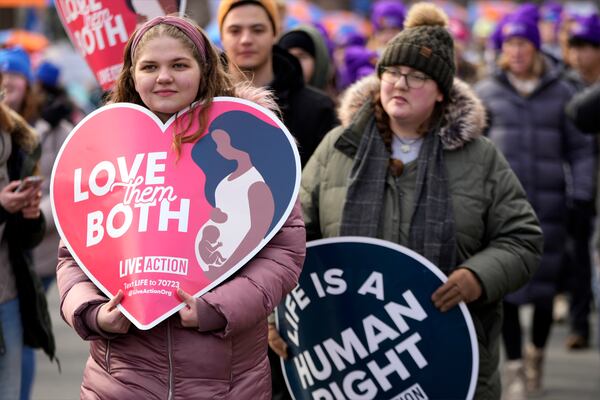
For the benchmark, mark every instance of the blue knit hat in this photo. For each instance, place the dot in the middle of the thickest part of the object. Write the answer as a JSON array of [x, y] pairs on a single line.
[[388, 14], [48, 74], [17, 61], [585, 29], [523, 26]]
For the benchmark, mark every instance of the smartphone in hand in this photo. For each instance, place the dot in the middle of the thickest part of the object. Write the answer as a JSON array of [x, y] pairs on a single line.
[[26, 183]]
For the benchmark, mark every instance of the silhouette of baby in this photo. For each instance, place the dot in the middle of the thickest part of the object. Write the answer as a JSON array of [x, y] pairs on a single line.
[[208, 246]]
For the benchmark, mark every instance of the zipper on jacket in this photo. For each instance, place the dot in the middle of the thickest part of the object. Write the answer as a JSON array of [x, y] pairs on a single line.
[[107, 356], [169, 352]]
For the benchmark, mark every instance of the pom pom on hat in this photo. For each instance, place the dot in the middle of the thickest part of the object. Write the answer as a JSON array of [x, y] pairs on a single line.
[[425, 14], [425, 44]]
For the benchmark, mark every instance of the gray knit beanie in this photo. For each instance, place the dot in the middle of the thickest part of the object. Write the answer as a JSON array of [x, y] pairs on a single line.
[[425, 44]]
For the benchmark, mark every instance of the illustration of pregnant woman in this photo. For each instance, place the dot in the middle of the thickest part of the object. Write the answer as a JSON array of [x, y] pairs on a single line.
[[243, 211]]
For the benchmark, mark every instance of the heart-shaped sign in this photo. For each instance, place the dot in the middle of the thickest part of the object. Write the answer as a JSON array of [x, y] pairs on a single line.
[[99, 30], [138, 217]]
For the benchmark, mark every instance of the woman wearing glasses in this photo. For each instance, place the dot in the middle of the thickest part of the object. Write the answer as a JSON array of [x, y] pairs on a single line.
[[409, 165]]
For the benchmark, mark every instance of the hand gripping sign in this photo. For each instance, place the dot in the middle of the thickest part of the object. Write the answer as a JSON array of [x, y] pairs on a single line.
[[140, 219], [99, 29], [361, 325]]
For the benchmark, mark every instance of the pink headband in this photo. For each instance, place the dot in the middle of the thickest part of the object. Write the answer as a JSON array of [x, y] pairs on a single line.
[[187, 28]]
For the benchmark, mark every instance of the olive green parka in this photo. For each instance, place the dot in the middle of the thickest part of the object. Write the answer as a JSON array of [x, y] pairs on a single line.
[[498, 235]]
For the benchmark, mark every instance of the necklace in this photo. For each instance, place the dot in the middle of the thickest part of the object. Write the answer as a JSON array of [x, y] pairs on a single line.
[[406, 145]]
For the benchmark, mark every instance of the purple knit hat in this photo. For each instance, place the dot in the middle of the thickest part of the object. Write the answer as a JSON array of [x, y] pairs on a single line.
[[358, 62], [529, 10], [585, 29], [350, 38], [551, 11], [388, 14], [523, 26], [496, 36]]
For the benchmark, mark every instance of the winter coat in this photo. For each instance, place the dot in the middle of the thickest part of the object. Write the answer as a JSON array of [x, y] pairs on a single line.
[[498, 237], [22, 235], [307, 112], [225, 358], [583, 109], [538, 140], [51, 139]]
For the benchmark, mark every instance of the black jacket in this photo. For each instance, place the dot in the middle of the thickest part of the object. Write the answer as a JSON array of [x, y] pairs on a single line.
[[583, 109], [307, 112], [22, 235]]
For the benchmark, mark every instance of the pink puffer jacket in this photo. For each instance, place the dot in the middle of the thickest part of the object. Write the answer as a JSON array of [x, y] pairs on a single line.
[[173, 362]]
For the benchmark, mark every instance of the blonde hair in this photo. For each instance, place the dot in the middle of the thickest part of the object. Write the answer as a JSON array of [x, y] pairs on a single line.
[[537, 66], [215, 79]]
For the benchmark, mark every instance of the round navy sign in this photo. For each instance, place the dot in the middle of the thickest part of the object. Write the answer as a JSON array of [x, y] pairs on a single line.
[[361, 325]]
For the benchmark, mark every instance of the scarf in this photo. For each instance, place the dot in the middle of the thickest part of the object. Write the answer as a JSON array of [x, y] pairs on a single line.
[[432, 230]]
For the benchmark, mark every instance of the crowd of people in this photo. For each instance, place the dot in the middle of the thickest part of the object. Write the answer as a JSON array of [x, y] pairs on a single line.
[[486, 166]]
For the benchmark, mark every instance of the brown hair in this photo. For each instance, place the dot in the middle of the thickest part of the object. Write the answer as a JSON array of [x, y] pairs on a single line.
[[30, 106], [30, 109], [15, 125], [215, 79], [382, 122]]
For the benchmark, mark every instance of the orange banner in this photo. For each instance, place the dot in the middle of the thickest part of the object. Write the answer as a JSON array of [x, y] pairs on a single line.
[[23, 3]]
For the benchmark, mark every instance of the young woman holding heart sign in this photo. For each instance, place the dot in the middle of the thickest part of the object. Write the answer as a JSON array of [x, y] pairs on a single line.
[[216, 346]]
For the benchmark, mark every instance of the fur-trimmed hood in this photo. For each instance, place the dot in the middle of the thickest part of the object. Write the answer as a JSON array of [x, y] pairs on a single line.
[[464, 117], [258, 95], [22, 134]]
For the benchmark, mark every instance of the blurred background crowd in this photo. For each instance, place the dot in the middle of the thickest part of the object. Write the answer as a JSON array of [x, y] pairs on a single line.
[[352, 33]]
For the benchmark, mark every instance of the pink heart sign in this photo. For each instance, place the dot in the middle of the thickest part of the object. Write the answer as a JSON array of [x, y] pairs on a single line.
[[139, 218], [99, 29]]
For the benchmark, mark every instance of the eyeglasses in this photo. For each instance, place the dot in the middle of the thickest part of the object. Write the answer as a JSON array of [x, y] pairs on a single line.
[[413, 80]]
